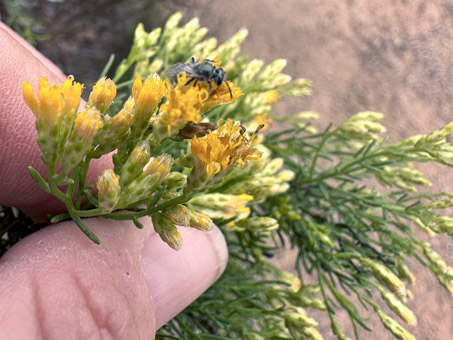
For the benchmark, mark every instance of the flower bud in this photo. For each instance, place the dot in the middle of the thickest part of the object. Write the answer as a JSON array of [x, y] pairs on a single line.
[[200, 221], [102, 95], [133, 167], [175, 180], [109, 189], [179, 215], [257, 223], [394, 326], [160, 165], [167, 231], [397, 306], [386, 277]]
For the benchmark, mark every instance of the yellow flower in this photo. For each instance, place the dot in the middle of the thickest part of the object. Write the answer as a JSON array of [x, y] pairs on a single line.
[[222, 148], [53, 101], [87, 124], [124, 119], [148, 94], [102, 95], [183, 105], [220, 95]]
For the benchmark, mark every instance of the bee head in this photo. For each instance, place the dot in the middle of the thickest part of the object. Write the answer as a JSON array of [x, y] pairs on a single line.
[[219, 76]]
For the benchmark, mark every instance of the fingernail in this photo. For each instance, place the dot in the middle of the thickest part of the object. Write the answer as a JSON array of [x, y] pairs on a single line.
[[176, 278]]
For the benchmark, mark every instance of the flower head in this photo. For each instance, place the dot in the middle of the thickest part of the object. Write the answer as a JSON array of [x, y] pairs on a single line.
[[183, 105], [216, 153], [222, 148], [148, 94], [53, 101], [87, 124], [102, 95]]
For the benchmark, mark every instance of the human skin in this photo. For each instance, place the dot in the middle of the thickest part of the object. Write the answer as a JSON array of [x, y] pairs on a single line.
[[56, 283]]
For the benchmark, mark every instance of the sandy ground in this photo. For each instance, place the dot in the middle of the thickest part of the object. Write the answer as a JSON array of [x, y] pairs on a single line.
[[395, 57]]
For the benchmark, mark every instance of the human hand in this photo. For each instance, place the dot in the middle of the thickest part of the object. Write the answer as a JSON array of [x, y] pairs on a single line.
[[56, 283]]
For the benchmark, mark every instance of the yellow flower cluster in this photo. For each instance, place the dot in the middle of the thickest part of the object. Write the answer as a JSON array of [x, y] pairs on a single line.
[[184, 104], [224, 147], [53, 101], [187, 103]]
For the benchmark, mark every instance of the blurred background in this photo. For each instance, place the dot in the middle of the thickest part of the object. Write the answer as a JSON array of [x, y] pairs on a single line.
[[395, 57]]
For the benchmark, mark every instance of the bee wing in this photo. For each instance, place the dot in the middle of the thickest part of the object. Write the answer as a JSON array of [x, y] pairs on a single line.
[[172, 71], [177, 68]]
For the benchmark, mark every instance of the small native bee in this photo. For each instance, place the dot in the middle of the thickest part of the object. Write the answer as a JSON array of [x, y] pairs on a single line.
[[199, 71]]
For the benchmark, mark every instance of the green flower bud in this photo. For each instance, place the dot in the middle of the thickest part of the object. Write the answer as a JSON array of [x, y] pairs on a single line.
[[109, 189], [167, 231], [179, 215], [133, 167], [394, 326]]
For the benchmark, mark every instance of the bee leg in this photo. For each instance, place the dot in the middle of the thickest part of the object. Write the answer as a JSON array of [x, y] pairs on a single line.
[[189, 81], [231, 93], [195, 83], [193, 60]]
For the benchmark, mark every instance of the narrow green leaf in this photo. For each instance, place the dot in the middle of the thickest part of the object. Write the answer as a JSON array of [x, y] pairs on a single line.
[[38, 179]]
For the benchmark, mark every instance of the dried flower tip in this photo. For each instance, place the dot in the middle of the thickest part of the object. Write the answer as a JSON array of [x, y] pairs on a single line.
[[191, 130], [307, 115], [102, 95], [109, 189]]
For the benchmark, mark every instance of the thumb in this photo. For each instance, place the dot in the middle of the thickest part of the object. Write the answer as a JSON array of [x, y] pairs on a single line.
[[57, 284]]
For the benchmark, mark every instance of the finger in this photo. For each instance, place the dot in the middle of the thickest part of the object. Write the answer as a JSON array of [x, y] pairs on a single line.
[[20, 62], [63, 286]]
